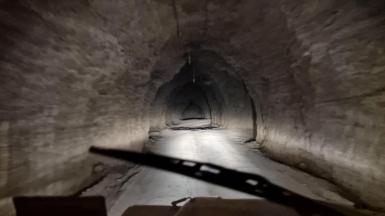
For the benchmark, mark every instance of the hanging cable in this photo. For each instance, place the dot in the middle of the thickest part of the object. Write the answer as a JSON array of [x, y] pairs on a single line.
[[176, 16], [206, 22], [193, 80], [189, 63], [188, 59]]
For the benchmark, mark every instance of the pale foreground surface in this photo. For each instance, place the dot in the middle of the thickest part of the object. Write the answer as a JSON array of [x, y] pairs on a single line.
[[221, 147]]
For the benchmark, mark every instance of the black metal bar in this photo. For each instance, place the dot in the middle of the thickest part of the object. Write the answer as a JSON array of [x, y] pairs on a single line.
[[245, 182]]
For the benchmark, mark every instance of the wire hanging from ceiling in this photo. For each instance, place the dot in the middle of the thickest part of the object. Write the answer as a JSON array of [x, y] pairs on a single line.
[[176, 16]]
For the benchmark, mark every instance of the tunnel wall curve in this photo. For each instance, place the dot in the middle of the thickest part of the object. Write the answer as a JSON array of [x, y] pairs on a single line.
[[317, 82], [82, 73], [69, 80]]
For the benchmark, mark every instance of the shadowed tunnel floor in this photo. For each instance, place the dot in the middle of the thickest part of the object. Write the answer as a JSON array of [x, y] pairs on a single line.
[[218, 146]]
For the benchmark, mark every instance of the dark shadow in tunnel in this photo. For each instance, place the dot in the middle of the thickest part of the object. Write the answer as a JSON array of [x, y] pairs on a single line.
[[192, 111], [206, 87], [189, 102]]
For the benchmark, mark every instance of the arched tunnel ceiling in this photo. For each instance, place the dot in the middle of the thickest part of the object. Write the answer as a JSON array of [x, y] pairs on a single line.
[[76, 73]]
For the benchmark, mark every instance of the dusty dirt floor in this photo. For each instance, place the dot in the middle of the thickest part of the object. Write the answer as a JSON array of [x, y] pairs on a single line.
[[143, 185]]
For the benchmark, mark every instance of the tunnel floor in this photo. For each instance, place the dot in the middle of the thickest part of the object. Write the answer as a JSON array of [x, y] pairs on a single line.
[[218, 146], [192, 124]]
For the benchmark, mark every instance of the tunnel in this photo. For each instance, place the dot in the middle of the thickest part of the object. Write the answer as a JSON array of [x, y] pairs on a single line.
[[291, 89], [206, 87], [193, 111]]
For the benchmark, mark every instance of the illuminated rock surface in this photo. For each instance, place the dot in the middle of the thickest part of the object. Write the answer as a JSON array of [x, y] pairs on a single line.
[[304, 78]]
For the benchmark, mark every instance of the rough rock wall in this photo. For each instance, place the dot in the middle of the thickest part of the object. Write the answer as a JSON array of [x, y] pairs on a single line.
[[76, 73], [72, 74], [339, 73], [316, 72]]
